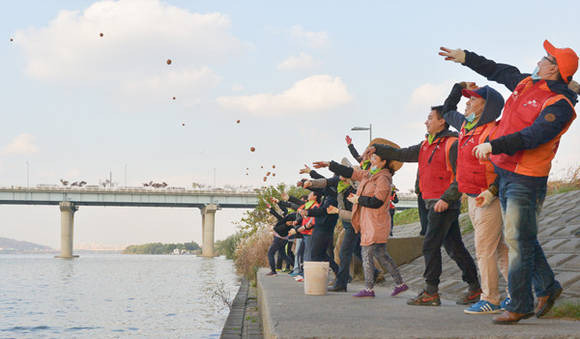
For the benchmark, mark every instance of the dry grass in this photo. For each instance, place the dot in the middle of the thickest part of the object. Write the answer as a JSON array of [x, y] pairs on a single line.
[[252, 253], [570, 182]]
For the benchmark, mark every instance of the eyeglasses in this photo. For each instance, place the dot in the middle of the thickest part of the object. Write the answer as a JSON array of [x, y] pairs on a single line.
[[553, 62]]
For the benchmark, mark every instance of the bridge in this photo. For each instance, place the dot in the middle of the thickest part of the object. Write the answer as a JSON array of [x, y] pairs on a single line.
[[70, 198]]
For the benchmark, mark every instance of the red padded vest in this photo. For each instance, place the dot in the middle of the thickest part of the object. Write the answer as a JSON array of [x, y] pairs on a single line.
[[435, 172]]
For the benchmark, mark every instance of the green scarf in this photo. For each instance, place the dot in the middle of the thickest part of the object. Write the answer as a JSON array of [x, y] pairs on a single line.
[[430, 138], [365, 164], [470, 125], [309, 204], [375, 171], [342, 185]]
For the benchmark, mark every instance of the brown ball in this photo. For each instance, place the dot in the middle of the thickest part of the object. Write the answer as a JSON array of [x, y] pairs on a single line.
[[173, 98], [273, 174], [265, 178], [101, 35], [183, 124], [252, 149], [11, 39], [169, 61], [268, 173], [273, 166], [237, 121]]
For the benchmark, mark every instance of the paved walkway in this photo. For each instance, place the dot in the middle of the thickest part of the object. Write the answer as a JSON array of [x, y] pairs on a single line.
[[288, 313]]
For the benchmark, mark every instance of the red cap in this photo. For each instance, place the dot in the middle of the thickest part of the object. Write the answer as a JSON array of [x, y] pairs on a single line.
[[566, 59], [480, 92]]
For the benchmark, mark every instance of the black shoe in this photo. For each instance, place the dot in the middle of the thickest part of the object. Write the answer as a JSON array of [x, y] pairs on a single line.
[[337, 289]]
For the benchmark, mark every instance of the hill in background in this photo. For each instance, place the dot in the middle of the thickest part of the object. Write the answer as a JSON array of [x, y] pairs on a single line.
[[16, 246]]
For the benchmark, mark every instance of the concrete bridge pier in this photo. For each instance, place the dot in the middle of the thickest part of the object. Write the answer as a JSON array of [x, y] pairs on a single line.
[[208, 229], [67, 215]]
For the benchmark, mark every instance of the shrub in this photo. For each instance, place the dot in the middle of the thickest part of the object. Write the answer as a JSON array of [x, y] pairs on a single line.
[[252, 252]]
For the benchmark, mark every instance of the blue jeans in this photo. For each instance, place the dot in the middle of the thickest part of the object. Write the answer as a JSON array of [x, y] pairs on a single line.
[[521, 199]]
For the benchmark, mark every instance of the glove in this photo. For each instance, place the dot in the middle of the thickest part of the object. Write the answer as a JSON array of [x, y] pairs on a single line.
[[348, 140], [481, 151], [484, 198], [455, 55]]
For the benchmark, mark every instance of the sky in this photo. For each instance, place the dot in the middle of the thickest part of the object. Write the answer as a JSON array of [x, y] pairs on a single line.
[[298, 75]]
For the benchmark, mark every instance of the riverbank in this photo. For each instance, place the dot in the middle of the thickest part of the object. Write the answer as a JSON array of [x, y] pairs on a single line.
[[244, 319]]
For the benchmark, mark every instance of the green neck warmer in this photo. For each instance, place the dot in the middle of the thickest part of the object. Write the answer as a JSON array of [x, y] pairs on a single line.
[[342, 185], [430, 138]]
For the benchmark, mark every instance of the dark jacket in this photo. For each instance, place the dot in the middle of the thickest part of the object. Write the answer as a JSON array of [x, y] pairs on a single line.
[[281, 228], [491, 111]]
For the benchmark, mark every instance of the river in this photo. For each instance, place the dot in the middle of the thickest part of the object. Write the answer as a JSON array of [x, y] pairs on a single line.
[[114, 295]]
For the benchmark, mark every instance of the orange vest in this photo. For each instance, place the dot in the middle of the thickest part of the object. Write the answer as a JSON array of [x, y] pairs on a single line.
[[310, 221], [473, 176], [435, 171], [521, 110]]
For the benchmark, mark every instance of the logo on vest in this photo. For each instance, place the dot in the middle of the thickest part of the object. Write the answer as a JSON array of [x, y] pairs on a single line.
[[550, 117], [532, 103]]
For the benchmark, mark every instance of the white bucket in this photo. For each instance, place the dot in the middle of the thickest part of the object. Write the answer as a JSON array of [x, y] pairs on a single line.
[[315, 277]]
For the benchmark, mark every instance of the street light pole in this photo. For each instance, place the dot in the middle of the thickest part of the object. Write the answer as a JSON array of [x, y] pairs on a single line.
[[370, 129], [27, 174]]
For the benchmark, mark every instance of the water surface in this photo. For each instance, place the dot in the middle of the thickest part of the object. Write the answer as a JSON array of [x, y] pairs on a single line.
[[114, 295]]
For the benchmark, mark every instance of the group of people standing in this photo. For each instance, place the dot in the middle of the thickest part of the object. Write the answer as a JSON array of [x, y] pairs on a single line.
[[500, 158]]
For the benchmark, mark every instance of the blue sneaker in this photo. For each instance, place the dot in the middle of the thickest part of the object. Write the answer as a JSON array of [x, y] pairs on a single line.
[[293, 274], [505, 302], [482, 307]]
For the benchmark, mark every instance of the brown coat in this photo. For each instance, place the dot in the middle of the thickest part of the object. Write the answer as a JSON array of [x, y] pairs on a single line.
[[374, 224]]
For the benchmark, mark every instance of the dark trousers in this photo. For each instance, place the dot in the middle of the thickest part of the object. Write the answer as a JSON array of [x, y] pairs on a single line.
[[444, 230], [423, 214], [392, 213], [277, 246], [350, 245], [320, 242]]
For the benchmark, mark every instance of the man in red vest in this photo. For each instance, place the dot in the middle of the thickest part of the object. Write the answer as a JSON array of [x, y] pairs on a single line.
[[539, 111], [474, 177], [437, 156]]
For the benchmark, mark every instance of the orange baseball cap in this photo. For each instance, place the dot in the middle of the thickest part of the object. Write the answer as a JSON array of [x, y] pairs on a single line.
[[566, 59]]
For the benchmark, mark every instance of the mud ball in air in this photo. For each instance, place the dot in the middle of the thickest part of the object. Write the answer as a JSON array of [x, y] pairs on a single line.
[[252, 149], [173, 98], [101, 35], [169, 61], [265, 178], [237, 121]]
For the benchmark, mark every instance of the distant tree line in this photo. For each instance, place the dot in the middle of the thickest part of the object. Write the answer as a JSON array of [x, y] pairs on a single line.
[[159, 248]]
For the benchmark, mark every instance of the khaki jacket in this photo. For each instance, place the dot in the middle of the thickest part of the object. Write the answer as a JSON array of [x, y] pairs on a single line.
[[374, 224]]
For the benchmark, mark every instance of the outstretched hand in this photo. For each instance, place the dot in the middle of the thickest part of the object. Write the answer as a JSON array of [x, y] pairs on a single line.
[[455, 55], [305, 170], [332, 209], [348, 140], [321, 164], [307, 184]]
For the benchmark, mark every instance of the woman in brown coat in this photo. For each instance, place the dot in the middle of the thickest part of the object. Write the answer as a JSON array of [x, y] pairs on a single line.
[[370, 215]]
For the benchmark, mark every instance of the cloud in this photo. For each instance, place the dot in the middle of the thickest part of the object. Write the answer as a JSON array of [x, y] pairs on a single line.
[[22, 144], [179, 83], [138, 37], [302, 61], [313, 94], [313, 39], [427, 95]]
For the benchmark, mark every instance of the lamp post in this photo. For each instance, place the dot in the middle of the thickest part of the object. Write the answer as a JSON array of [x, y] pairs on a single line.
[[27, 175], [370, 129]]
